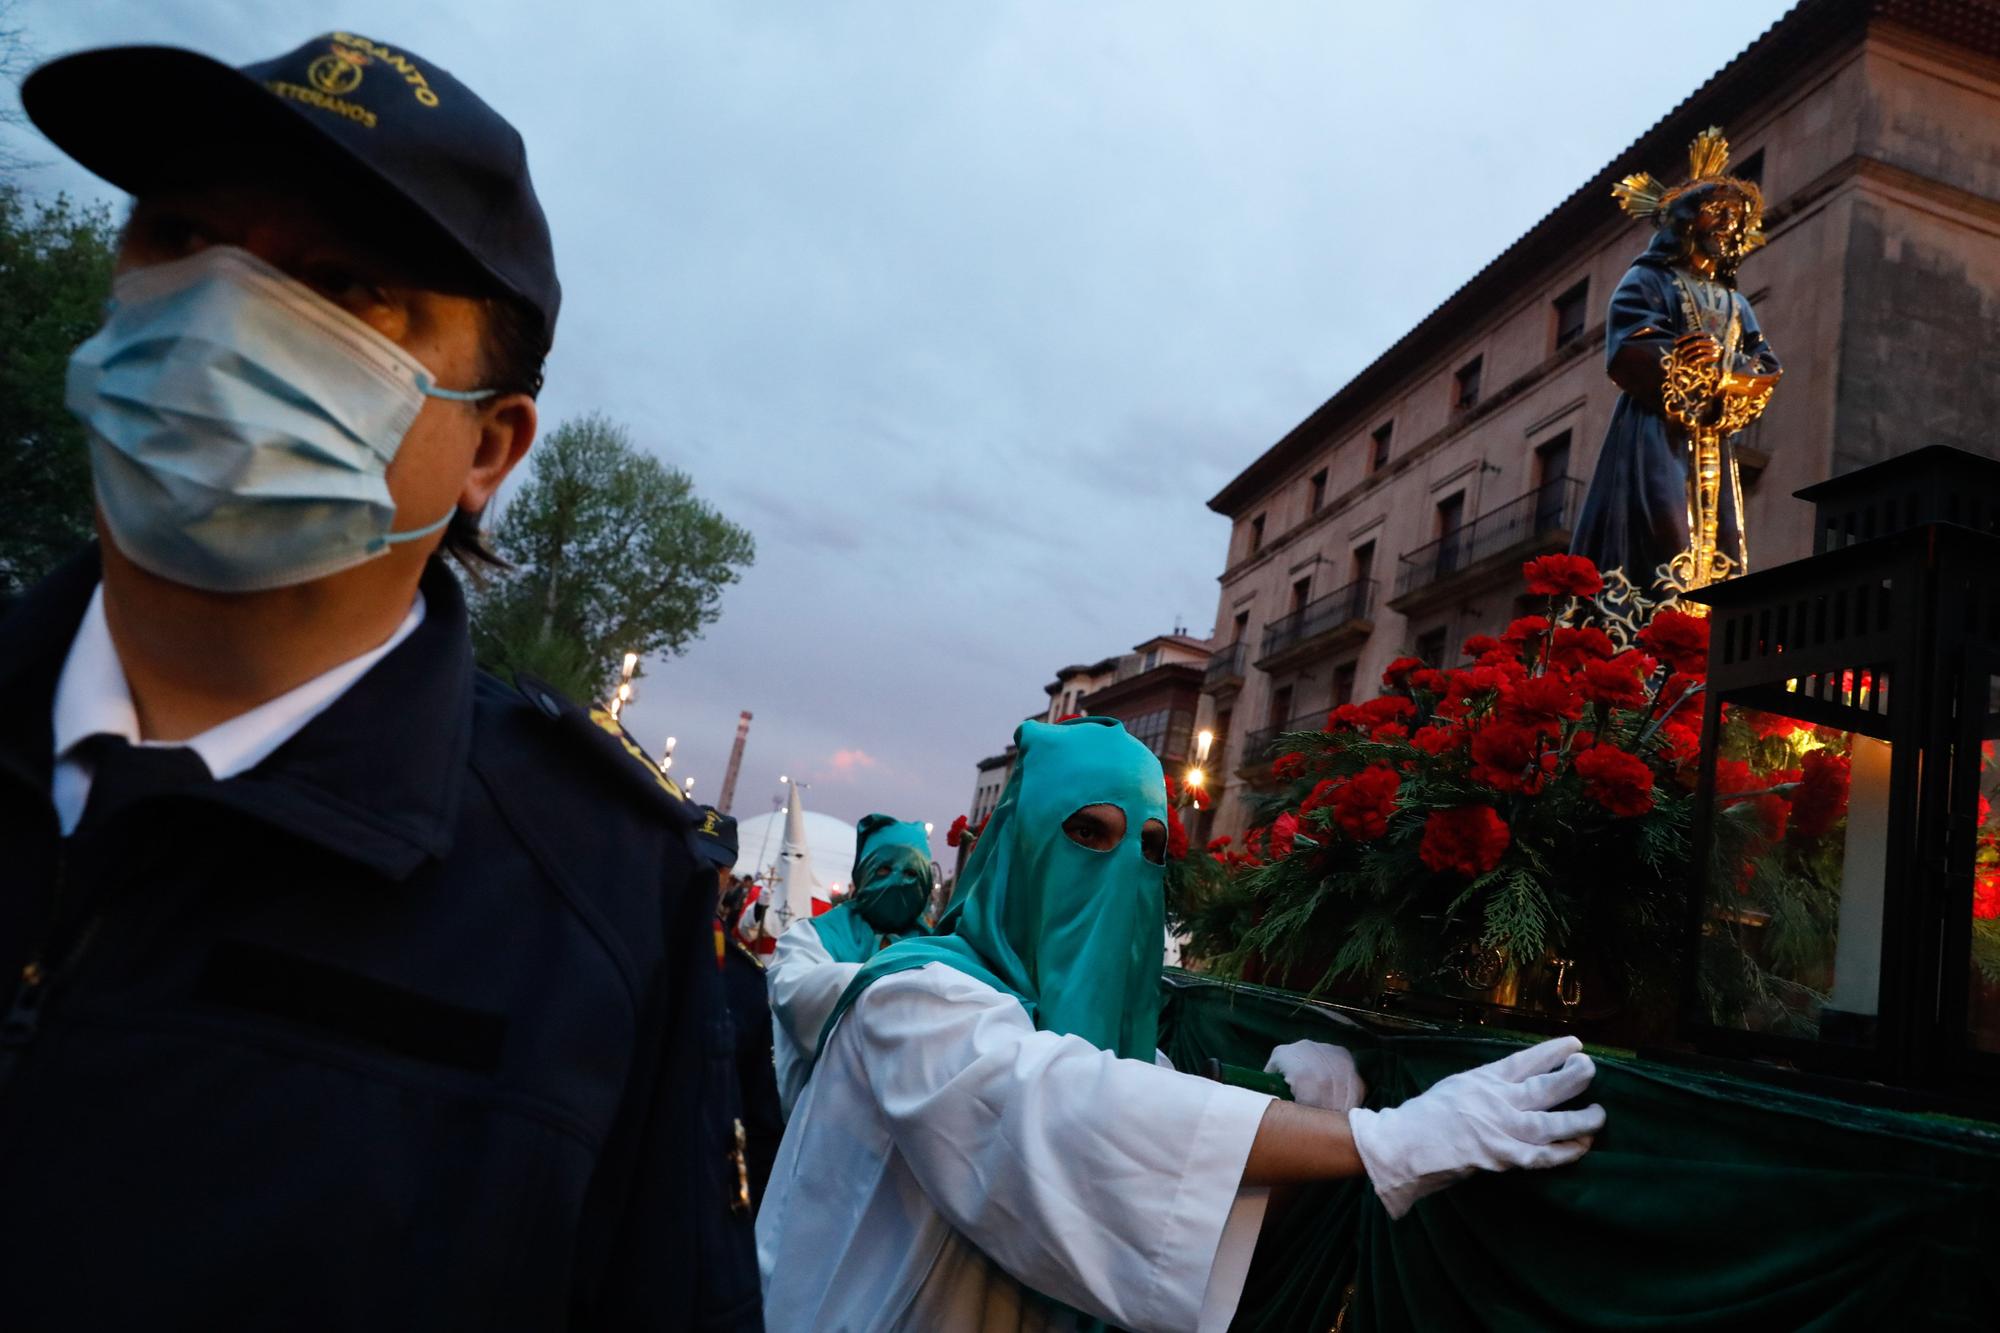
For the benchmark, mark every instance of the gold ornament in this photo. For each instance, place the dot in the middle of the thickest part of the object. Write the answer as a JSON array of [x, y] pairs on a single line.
[[1642, 195]]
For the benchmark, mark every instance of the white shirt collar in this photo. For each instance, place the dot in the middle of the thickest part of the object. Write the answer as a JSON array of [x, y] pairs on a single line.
[[92, 699]]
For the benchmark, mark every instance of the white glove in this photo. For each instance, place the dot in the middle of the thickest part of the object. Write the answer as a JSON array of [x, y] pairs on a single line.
[[1491, 1118], [1320, 1075]]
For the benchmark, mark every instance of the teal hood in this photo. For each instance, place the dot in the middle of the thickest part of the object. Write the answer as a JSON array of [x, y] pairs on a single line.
[[893, 878], [1074, 934]]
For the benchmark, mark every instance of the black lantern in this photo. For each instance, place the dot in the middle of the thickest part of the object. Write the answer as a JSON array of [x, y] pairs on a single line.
[[1848, 914]]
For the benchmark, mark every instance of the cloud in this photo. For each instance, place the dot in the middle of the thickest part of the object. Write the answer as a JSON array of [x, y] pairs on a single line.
[[847, 765]]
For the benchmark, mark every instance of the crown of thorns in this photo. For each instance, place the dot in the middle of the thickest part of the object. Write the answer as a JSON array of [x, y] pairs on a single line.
[[1643, 196]]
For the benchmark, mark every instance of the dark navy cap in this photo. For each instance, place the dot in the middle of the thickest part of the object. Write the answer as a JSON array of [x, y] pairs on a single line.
[[715, 835], [385, 122]]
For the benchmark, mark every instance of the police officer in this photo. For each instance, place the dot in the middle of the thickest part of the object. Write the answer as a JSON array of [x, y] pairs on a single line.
[[749, 1009], [343, 986]]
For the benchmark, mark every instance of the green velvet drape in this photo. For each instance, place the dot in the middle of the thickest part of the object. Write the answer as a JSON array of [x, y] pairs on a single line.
[[1709, 1203]]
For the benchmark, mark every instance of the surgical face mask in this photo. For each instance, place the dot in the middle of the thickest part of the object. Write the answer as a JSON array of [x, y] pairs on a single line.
[[241, 425]]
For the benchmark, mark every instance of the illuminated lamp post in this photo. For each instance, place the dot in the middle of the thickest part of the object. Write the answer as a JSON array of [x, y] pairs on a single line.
[[1844, 932], [623, 695]]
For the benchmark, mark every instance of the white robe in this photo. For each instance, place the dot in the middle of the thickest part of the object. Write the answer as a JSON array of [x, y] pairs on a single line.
[[947, 1160], [805, 983]]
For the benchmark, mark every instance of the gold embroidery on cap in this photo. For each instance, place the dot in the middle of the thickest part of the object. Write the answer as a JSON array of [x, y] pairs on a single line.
[[360, 115], [421, 88], [337, 72]]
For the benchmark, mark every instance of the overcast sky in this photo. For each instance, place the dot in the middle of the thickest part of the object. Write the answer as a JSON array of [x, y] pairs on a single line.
[[965, 307]]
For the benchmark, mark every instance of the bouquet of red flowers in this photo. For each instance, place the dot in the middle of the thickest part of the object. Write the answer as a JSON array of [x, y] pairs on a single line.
[[1529, 807]]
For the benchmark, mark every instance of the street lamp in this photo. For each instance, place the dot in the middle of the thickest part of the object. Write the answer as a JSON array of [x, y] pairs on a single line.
[[623, 695], [667, 754]]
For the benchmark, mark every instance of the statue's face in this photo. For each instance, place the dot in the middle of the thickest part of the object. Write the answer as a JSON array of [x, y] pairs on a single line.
[[1720, 228]]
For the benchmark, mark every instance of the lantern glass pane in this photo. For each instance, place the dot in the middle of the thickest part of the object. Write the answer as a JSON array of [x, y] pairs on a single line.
[[1792, 942], [1983, 1020]]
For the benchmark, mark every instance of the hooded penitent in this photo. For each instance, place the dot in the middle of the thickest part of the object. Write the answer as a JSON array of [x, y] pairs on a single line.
[[892, 883], [1072, 933]]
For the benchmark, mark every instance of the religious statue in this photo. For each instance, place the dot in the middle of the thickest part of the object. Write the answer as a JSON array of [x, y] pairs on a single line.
[[1665, 504]]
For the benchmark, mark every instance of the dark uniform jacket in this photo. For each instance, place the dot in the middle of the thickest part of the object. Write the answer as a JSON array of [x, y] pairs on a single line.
[[413, 1026], [749, 1000]]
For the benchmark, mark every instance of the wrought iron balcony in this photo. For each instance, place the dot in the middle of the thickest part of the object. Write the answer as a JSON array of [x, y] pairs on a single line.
[[1531, 524], [1225, 668], [1327, 622], [1260, 747]]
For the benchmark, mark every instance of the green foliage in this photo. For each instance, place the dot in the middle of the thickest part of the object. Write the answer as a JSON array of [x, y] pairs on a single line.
[[55, 269], [1986, 950], [612, 552]]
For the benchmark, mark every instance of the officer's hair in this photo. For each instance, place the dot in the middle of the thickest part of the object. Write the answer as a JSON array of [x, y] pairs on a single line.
[[514, 344]]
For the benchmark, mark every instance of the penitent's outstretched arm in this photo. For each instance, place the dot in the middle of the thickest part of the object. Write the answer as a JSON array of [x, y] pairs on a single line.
[[1497, 1117]]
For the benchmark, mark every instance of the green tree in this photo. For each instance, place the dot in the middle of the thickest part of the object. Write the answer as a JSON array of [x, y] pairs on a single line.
[[55, 269], [612, 552]]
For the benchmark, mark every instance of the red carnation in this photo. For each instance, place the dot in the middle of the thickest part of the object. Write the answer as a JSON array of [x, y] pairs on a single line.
[[956, 833], [1618, 781], [1430, 681], [1617, 683], [1435, 740], [1733, 778], [1177, 835], [1388, 708], [1362, 805], [1503, 756], [1986, 895], [1563, 576], [1765, 725], [1288, 766], [1675, 692], [1217, 844], [1469, 840], [1543, 702], [1570, 648], [1821, 798], [1283, 829], [1678, 639], [1320, 796], [1482, 645], [1347, 717], [1521, 631], [1680, 737], [1398, 674]]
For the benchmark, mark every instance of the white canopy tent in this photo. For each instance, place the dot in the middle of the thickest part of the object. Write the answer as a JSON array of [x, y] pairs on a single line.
[[799, 853]]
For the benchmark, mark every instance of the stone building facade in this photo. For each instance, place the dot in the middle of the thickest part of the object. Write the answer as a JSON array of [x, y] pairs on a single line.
[[1394, 519], [1155, 690]]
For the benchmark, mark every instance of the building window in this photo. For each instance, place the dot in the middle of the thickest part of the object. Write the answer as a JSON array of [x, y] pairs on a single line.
[[1378, 453], [1256, 534], [1465, 385], [1451, 527], [1431, 646], [1301, 594], [1239, 627], [1750, 168], [1364, 570], [1152, 659], [1343, 684], [1317, 500], [1552, 469], [1281, 705], [1165, 731], [1571, 313]]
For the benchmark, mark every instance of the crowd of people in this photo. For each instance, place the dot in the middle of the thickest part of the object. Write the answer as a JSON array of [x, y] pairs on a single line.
[[355, 988]]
